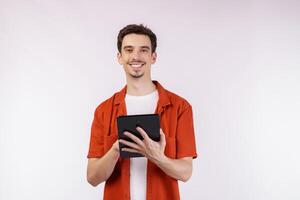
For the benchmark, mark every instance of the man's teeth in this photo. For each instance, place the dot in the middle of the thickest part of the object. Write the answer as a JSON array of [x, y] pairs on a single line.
[[136, 65]]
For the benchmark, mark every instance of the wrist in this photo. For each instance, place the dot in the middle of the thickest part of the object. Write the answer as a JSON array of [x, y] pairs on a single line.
[[162, 160]]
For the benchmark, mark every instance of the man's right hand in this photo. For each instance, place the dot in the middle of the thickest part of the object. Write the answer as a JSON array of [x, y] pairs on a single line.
[[115, 148]]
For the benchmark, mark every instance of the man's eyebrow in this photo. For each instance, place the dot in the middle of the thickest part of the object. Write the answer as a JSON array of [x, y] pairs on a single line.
[[142, 47], [128, 46], [145, 47]]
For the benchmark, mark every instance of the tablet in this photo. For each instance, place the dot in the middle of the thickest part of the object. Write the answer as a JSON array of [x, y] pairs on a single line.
[[149, 123]]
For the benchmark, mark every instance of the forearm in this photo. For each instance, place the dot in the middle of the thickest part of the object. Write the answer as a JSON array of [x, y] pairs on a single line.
[[100, 169], [180, 169]]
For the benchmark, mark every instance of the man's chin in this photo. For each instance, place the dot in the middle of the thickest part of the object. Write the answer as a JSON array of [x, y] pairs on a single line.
[[136, 75]]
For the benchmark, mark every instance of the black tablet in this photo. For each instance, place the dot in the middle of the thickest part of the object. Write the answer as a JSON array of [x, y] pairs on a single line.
[[148, 122]]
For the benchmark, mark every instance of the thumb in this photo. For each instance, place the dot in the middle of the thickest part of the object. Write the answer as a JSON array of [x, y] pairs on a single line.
[[162, 138]]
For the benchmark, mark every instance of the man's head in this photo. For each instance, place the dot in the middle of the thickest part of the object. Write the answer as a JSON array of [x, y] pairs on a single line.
[[136, 46]]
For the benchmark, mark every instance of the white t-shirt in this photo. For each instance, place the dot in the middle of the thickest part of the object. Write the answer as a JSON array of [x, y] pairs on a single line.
[[136, 105]]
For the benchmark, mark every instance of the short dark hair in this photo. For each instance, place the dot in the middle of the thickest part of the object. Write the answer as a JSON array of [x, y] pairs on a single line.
[[137, 29]]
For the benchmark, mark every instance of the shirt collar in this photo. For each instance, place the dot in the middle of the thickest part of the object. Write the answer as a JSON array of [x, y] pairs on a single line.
[[163, 99]]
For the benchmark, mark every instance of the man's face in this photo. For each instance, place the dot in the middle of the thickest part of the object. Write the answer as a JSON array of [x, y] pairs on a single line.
[[136, 56]]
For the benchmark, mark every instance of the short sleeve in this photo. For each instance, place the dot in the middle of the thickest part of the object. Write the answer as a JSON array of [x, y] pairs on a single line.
[[96, 148], [185, 136]]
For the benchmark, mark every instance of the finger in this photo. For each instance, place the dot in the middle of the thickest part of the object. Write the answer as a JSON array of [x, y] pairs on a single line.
[[143, 133], [131, 150], [134, 138], [162, 138], [116, 145], [130, 144]]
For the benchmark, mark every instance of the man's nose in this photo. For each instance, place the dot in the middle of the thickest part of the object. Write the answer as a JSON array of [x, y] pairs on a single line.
[[135, 55]]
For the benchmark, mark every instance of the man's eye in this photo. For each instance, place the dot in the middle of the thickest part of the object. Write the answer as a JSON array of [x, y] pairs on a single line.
[[144, 50], [128, 50]]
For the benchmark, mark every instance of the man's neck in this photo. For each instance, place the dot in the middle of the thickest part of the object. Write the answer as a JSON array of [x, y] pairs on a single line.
[[140, 87]]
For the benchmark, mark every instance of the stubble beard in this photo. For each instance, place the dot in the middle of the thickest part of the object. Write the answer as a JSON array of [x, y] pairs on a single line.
[[137, 75]]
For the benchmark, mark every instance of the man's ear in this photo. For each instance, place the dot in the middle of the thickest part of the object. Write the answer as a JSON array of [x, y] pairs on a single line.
[[119, 56], [154, 57]]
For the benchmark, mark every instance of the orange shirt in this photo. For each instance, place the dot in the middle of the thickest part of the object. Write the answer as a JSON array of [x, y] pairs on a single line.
[[176, 121]]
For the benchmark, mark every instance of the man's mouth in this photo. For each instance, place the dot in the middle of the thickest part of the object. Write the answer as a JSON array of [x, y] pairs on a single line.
[[137, 65]]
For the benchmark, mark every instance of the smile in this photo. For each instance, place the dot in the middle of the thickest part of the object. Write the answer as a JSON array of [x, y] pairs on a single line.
[[136, 65]]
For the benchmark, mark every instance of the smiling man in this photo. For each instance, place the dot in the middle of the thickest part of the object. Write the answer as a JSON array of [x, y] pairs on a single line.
[[156, 175]]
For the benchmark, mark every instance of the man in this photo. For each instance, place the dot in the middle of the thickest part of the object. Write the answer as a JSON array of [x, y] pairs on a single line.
[[155, 175]]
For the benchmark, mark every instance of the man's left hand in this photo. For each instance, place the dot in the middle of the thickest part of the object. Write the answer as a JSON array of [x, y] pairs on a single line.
[[154, 151]]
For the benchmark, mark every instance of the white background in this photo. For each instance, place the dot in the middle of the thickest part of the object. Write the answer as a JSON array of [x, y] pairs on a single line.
[[237, 62]]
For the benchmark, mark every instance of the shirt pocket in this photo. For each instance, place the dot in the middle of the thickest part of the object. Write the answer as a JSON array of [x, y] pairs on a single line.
[[170, 149]]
